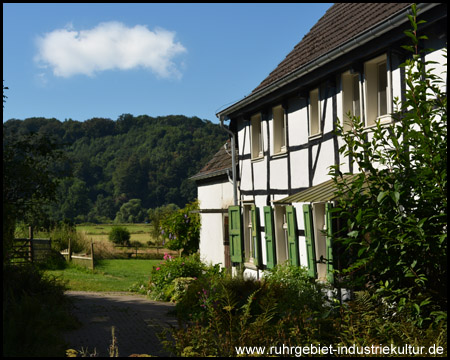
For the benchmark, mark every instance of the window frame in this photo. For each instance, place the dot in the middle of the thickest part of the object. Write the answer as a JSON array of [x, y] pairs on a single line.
[[372, 91], [256, 138], [281, 239], [351, 97], [279, 129], [314, 113]]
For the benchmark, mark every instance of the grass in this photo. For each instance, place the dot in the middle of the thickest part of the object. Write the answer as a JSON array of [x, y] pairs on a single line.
[[109, 275], [99, 232]]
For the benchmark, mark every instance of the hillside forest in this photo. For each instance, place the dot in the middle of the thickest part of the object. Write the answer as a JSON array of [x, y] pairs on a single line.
[[118, 170]]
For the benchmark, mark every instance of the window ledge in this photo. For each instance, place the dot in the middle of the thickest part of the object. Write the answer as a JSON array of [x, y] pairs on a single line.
[[258, 159], [315, 136], [280, 154], [384, 120]]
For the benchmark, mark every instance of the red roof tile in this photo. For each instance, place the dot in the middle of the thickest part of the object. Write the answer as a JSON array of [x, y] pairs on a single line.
[[341, 23], [219, 164]]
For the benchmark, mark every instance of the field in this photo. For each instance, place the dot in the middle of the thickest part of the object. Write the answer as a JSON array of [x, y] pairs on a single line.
[[138, 232], [114, 269], [109, 275]]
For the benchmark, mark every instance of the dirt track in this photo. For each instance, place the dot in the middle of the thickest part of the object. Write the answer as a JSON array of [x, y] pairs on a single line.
[[136, 319]]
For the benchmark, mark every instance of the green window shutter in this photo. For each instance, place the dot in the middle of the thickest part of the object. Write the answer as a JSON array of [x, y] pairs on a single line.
[[270, 243], [256, 237], [292, 236], [309, 236], [235, 233], [329, 242]]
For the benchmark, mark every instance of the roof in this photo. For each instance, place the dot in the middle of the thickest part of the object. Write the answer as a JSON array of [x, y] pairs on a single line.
[[341, 23], [218, 165], [322, 192], [343, 28]]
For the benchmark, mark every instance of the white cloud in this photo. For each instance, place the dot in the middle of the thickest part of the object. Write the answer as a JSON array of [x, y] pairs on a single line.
[[108, 46]]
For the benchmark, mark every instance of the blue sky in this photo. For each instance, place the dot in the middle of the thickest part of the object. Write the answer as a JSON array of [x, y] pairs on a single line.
[[81, 61]]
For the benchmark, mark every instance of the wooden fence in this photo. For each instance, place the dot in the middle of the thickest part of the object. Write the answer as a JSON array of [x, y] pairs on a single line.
[[130, 250], [80, 259], [29, 250]]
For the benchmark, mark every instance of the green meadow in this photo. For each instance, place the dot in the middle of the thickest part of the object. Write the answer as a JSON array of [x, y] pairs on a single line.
[[109, 275]]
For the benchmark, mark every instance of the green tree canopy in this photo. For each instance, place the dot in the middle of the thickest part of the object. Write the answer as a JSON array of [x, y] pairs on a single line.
[[396, 212]]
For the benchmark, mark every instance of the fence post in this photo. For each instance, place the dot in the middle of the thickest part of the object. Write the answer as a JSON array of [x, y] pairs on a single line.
[[92, 254], [69, 259], [30, 235]]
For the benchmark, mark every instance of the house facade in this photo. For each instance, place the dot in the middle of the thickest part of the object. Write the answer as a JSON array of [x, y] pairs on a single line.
[[348, 62], [215, 195]]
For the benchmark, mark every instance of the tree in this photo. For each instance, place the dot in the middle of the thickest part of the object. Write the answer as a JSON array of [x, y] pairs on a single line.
[[396, 227], [131, 212], [119, 235], [156, 216], [181, 229], [31, 173]]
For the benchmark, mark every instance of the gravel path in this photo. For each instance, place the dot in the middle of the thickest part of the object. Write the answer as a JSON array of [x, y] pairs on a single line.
[[136, 319]]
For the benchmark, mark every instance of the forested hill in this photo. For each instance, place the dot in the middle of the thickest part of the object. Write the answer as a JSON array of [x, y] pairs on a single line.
[[113, 162]]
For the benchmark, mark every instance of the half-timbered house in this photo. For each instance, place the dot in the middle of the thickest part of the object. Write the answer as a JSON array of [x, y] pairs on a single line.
[[284, 129]]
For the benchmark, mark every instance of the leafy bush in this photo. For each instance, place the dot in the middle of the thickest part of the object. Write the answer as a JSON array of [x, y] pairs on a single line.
[[162, 285], [53, 261], [181, 229], [369, 320], [221, 312], [296, 288], [62, 232], [35, 313], [119, 235], [396, 213]]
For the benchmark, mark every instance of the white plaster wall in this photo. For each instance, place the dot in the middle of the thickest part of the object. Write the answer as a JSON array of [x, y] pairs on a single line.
[[327, 109], [217, 195], [211, 239], [299, 169], [439, 69], [259, 174], [324, 154], [245, 174], [278, 172], [298, 122]]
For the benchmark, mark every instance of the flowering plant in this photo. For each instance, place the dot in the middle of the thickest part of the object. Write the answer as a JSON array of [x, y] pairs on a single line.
[[162, 283], [181, 229]]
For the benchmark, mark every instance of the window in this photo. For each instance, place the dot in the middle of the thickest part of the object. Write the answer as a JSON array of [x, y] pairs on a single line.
[[377, 94], [252, 235], [350, 98], [318, 228], [279, 129], [318, 212], [314, 113], [256, 136], [281, 234], [286, 235]]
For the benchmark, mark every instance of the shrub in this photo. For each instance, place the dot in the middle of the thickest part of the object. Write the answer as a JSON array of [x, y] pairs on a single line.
[[60, 235], [296, 288], [221, 312], [181, 229], [369, 320], [163, 276], [53, 261], [35, 313], [119, 235]]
